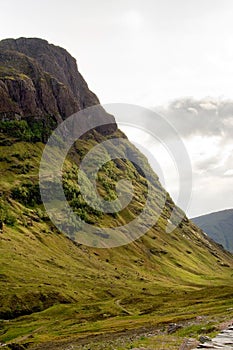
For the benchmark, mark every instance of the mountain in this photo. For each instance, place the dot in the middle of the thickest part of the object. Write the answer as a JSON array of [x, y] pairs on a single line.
[[47, 77], [41, 81], [219, 226], [54, 290]]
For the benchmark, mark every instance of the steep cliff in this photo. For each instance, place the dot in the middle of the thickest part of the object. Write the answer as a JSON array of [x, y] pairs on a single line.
[[39, 80], [58, 63]]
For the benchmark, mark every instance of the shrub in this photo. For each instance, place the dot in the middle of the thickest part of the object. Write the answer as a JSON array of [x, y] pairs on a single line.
[[27, 194], [6, 217], [32, 130], [16, 128]]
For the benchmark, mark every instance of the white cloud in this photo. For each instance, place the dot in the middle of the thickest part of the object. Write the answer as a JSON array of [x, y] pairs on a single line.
[[229, 172], [208, 105], [192, 110], [206, 127]]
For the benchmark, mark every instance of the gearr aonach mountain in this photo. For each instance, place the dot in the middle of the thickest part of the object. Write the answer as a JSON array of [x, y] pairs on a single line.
[[55, 291]]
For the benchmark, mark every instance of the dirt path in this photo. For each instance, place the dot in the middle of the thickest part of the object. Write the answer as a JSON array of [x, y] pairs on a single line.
[[123, 308]]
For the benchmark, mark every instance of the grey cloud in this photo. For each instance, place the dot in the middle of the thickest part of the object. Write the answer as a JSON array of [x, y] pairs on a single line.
[[205, 117], [213, 170], [207, 164]]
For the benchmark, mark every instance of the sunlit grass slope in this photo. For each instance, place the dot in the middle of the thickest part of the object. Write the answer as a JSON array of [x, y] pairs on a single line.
[[53, 288]]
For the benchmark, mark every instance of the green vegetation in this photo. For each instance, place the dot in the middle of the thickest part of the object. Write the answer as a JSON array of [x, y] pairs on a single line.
[[16, 128], [54, 289], [28, 130], [27, 194], [6, 217]]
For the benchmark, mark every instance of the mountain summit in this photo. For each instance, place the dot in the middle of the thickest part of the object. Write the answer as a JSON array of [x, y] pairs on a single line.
[[40, 80]]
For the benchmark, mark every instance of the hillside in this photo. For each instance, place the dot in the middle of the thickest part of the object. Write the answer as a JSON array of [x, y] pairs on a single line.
[[219, 226], [54, 289]]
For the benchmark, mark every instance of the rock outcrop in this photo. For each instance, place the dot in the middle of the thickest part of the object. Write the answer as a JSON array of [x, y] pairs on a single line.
[[38, 79]]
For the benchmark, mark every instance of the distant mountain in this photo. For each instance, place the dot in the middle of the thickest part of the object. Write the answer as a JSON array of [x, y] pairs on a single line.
[[219, 226]]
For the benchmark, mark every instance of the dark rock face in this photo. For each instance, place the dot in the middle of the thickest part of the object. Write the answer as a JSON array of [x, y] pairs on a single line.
[[39, 79]]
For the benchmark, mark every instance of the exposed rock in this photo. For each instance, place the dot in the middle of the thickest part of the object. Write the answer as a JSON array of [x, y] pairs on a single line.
[[27, 89], [58, 63], [204, 339], [173, 327], [224, 340], [38, 79]]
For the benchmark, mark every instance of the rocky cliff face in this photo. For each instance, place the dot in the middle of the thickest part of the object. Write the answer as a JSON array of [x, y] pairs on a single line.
[[38, 79]]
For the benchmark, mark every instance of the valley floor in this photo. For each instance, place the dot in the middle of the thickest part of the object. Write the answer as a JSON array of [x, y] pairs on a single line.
[[181, 336]]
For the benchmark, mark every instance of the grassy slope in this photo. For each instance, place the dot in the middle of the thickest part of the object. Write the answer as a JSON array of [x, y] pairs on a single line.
[[52, 288]]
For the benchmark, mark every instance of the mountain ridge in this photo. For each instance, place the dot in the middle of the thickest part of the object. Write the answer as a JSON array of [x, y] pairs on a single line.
[[218, 225]]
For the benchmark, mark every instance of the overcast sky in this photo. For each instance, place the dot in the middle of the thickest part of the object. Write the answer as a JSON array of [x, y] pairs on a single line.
[[150, 53]]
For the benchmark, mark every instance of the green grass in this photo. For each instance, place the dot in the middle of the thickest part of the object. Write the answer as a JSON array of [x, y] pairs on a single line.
[[53, 289]]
